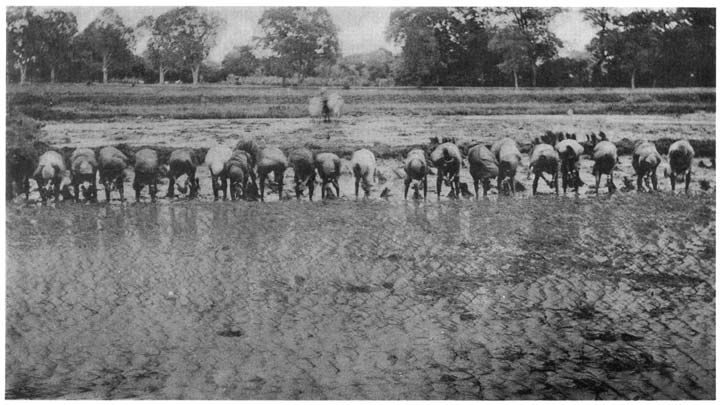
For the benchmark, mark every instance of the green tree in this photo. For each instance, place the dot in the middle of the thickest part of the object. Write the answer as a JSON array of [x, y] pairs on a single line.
[[275, 66], [159, 52], [414, 28], [441, 45], [240, 61], [303, 39], [107, 41], [635, 43], [528, 32], [24, 44], [57, 30], [512, 46], [691, 46], [192, 34], [180, 39], [598, 47]]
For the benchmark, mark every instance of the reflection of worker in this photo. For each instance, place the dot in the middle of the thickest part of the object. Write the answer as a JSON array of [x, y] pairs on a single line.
[[325, 107]]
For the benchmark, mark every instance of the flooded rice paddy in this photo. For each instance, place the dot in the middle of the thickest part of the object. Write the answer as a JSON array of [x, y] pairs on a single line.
[[507, 298]]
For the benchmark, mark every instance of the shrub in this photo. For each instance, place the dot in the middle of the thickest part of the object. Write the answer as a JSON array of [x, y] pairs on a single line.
[[21, 130]]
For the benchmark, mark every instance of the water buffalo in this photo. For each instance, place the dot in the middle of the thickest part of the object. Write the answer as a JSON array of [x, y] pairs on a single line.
[[271, 160], [416, 168], [303, 164], [215, 159], [183, 162], [483, 167], [447, 159], [328, 167], [544, 159], [52, 172], [680, 154], [605, 157], [111, 165], [645, 161], [84, 168], [241, 175], [508, 156], [147, 171], [569, 152], [363, 167]]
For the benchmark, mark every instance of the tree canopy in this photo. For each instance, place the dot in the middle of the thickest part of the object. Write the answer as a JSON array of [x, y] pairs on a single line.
[[240, 61], [526, 40], [456, 46], [301, 37], [181, 39], [24, 44], [106, 41], [57, 30], [441, 45]]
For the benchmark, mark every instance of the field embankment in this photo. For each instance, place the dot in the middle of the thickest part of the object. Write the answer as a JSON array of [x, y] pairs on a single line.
[[82, 102]]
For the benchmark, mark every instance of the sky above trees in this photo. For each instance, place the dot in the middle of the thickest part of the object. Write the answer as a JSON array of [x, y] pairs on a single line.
[[361, 29]]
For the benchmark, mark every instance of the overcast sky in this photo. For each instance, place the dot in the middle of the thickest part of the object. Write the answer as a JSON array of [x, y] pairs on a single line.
[[361, 29]]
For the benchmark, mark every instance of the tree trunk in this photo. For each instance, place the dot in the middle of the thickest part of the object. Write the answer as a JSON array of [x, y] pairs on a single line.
[[195, 74], [534, 75], [516, 79], [161, 80], [105, 63], [52, 74], [632, 79], [23, 73]]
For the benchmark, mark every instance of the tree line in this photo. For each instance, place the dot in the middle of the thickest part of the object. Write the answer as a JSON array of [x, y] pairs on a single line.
[[455, 46]]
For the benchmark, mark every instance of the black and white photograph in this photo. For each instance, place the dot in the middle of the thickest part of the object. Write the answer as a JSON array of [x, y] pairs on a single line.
[[338, 202]]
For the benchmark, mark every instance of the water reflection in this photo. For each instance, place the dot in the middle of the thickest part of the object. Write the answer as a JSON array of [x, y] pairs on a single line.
[[268, 298]]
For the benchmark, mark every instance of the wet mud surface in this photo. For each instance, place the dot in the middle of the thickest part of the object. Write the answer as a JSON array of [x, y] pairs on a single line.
[[506, 298], [365, 131]]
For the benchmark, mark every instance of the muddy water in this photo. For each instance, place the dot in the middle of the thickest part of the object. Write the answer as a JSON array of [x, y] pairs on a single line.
[[511, 299]]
